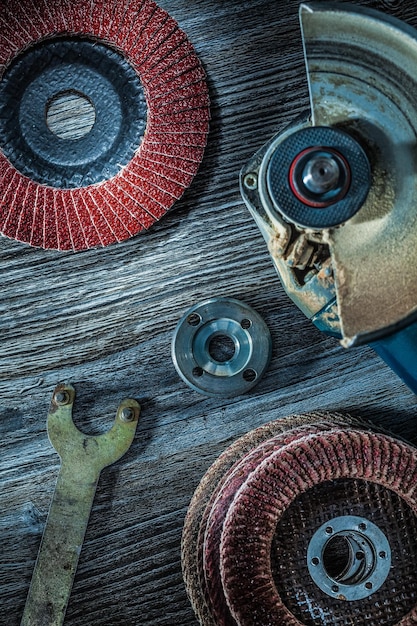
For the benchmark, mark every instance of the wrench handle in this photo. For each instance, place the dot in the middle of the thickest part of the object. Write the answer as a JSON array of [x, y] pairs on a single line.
[[57, 561]]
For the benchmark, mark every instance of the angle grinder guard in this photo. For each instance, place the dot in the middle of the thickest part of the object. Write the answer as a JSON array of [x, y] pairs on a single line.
[[335, 193]]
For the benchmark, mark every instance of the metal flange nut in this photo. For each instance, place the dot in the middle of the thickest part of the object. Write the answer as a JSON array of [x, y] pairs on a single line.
[[221, 347]]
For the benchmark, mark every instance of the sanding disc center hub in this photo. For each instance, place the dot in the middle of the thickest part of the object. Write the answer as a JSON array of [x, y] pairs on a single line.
[[72, 112]]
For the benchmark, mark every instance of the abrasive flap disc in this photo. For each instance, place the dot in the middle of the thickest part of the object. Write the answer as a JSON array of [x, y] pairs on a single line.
[[104, 114], [309, 520]]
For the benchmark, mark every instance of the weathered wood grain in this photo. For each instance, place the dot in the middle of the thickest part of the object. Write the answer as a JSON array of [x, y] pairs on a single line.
[[103, 319]]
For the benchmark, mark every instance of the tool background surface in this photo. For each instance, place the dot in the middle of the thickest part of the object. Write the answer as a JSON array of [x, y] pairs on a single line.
[[104, 319]]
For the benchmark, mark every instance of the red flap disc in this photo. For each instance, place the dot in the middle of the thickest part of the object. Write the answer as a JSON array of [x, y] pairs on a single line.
[[128, 64], [275, 497]]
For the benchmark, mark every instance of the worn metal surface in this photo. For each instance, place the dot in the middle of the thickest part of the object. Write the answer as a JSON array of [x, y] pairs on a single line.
[[361, 68], [301, 257], [362, 76], [82, 459]]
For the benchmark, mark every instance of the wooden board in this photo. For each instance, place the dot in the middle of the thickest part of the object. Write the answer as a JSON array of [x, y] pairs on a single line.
[[104, 319]]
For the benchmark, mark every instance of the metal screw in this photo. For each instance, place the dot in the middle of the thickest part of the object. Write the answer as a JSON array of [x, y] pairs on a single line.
[[62, 398], [251, 181], [127, 414]]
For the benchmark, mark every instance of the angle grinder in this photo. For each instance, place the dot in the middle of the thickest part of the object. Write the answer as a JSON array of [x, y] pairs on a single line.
[[335, 193]]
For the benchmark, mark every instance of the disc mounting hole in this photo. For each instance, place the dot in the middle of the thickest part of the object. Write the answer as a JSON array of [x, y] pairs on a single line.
[[336, 557], [198, 371], [246, 324], [249, 375], [221, 348], [194, 319], [70, 115]]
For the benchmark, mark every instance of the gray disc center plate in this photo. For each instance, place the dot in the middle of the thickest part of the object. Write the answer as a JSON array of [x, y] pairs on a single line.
[[221, 347], [367, 560]]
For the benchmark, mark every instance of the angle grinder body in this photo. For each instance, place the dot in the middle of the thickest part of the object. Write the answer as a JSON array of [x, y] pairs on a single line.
[[334, 194]]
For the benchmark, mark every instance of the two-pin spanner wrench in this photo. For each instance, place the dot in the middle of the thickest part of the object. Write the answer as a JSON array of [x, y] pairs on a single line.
[[82, 459]]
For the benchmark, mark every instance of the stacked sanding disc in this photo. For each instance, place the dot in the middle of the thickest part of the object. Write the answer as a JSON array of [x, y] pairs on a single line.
[[254, 513], [130, 60]]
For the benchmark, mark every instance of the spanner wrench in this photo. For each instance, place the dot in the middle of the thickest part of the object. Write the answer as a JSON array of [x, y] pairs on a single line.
[[82, 459]]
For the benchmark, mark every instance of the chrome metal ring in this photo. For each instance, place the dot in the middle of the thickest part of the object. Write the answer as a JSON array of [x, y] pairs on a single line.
[[221, 347], [349, 558]]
